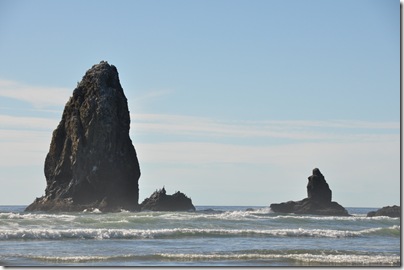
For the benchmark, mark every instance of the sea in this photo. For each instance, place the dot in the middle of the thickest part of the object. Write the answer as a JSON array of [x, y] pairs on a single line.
[[211, 236]]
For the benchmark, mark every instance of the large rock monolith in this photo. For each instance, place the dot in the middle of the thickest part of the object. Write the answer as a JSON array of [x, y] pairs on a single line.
[[318, 201], [92, 162]]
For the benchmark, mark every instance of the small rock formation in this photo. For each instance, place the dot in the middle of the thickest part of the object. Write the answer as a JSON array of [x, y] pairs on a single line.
[[388, 211], [318, 201], [160, 201], [91, 161]]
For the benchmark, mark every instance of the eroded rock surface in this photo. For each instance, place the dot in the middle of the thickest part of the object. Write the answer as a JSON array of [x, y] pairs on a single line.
[[92, 162], [318, 201]]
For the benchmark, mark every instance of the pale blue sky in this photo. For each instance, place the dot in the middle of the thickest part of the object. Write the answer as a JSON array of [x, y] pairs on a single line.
[[232, 102]]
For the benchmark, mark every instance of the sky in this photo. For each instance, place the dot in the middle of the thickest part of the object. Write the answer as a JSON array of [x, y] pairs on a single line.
[[232, 102]]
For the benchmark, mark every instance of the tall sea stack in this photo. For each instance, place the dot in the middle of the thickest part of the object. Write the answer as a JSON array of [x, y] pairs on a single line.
[[92, 162]]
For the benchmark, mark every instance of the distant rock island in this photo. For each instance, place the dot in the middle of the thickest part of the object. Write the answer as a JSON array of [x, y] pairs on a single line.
[[160, 201], [92, 162], [318, 201], [388, 211]]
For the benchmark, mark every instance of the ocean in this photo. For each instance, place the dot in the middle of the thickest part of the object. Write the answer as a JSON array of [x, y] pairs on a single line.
[[210, 236]]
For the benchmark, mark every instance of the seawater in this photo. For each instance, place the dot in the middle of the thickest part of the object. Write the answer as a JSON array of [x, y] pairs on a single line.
[[210, 236]]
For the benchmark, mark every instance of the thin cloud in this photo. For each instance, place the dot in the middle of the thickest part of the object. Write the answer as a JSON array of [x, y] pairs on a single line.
[[143, 101], [293, 130], [23, 147], [152, 94], [22, 122], [39, 97], [280, 155]]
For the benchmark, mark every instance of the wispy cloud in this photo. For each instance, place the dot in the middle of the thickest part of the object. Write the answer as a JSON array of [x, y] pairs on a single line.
[[294, 130], [38, 96], [23, 147], [287, 155], [144, 100], [24, 122], [152, 94], [42, 97]]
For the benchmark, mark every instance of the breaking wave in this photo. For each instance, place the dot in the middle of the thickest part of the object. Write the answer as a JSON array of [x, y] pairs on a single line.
[[305, 257], [204, 215], [55, 234], [310, 259]]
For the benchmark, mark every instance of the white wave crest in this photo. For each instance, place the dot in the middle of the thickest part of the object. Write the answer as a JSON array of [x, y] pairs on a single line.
[[260, 213], [239, 215], [76, 259], [332, 218], [253, 214], [343, 259], [33, 216], [302, 258], [94, 211], [180, 232]]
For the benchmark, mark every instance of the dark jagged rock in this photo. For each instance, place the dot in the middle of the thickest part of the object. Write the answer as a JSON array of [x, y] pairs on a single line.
[[160, 201], [91, 161], [318, 201], [317, 188], [388, 211]]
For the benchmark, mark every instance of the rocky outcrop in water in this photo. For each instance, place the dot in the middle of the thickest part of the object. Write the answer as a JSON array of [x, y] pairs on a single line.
[[318, 201], [92, 162], [160, 201], [388, 211]]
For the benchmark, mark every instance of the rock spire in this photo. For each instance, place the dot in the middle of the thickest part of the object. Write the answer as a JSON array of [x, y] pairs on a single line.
[[92, 162]]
